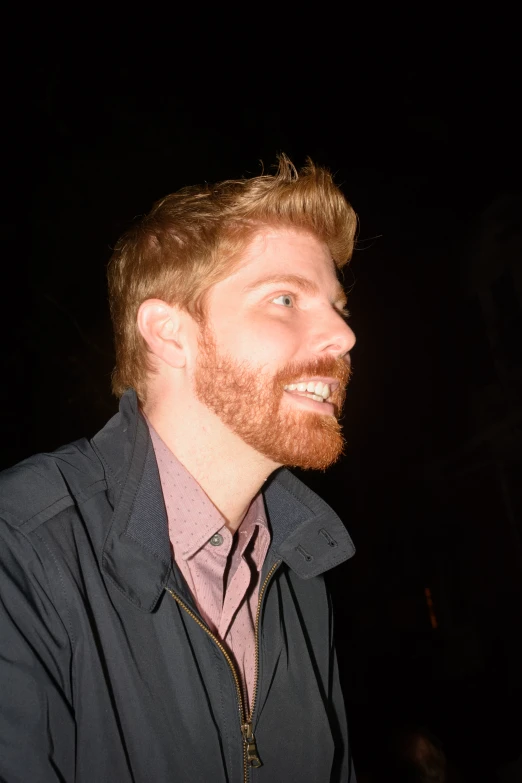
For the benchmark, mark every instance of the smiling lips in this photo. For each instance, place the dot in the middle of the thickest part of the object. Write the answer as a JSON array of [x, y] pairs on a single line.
[[315, 390]]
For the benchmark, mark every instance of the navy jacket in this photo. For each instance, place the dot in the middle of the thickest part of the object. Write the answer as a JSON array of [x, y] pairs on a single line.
[[108, 672]]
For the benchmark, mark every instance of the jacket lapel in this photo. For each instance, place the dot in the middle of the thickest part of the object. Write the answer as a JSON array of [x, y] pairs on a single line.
[[306, 533]]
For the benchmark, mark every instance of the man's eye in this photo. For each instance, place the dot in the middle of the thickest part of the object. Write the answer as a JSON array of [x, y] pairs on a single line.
[[286, 300]]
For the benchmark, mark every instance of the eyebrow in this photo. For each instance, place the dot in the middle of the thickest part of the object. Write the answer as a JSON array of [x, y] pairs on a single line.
[[298, 281]]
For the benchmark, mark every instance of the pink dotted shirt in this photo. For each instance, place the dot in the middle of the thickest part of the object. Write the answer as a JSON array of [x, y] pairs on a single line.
[[222, 570]]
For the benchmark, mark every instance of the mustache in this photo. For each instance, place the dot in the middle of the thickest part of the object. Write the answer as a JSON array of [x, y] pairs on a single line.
[[340, 369]]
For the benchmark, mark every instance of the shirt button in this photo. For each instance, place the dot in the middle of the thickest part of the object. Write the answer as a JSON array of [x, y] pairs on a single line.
[[216, 540]]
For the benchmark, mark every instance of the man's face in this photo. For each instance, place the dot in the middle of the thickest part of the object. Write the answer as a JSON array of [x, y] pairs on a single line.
[[276, 322]]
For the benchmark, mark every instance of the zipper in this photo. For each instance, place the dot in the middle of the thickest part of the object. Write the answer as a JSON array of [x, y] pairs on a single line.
[[250, 754]]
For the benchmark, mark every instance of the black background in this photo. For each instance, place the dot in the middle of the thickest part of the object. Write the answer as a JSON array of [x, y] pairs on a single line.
[[417, 116]]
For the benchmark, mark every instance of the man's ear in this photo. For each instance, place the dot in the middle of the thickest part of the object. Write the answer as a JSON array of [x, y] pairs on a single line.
[[160, 326]]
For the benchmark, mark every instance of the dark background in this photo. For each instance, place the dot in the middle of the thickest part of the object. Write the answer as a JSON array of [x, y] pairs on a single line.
[[417, 116]]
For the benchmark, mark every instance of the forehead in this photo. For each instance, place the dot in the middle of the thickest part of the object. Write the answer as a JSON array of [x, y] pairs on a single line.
[[285, 251]]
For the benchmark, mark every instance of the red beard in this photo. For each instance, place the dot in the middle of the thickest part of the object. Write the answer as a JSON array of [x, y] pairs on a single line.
[[250, 403]]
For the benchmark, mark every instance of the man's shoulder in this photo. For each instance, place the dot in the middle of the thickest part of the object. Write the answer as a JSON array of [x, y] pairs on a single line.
[[41, 486]]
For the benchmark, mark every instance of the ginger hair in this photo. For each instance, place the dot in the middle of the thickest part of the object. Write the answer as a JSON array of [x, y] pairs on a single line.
[[192, 239]]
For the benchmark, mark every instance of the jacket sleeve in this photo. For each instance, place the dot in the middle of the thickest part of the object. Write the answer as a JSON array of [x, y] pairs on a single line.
[[37, 730], [343, 769]]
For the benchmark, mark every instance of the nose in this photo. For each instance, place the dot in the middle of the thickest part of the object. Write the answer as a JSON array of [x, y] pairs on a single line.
[[336, 337]]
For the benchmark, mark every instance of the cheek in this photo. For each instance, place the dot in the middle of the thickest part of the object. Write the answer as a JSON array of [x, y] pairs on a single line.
[[271, 342], [260, 335]]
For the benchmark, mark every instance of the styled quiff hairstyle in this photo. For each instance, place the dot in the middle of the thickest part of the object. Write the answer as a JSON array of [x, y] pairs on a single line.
[[192, 239]]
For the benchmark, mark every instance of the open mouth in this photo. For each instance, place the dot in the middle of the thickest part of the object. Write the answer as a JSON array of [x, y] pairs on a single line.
[[313, 395], [314, 390]]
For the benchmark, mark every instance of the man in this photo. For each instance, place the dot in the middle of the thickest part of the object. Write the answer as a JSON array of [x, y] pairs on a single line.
[[164, 613]]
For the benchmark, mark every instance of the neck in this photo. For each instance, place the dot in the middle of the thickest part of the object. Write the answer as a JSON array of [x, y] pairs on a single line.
[[229, 471]]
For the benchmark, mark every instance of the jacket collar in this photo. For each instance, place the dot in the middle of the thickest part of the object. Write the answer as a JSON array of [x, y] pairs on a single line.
[[306, 533]]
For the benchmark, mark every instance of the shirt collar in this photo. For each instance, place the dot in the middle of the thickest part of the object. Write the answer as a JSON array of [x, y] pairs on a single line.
[[192, 517], [306, 533]]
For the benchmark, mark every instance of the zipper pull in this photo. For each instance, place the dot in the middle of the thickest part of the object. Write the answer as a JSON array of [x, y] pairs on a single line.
[[251, 747]]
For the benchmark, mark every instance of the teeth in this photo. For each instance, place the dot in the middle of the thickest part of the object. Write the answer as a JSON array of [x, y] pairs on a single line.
[[318, 390]]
